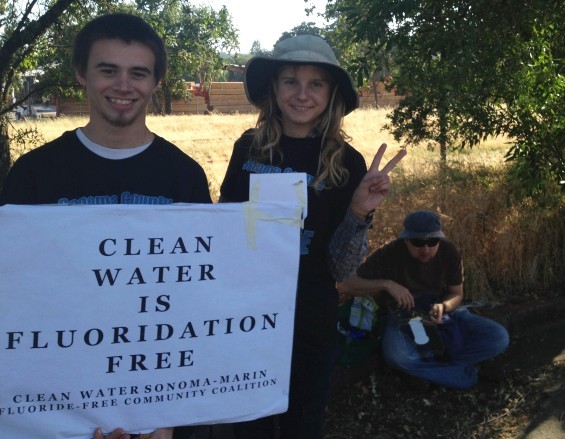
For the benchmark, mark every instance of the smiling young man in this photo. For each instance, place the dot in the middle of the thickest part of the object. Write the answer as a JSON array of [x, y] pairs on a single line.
[[114, 158], [118, 82], [420, 275]]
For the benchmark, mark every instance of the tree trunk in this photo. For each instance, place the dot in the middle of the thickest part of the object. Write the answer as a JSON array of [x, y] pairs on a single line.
[[166, 90], [442, 139], [376, 93], [156, 104], [5, 158], [168, 104]]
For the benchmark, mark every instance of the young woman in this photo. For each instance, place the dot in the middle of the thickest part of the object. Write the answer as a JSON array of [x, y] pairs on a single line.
[[303, 95]]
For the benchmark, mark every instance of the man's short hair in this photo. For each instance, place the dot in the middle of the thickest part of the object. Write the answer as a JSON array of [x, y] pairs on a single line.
[[126, 27]]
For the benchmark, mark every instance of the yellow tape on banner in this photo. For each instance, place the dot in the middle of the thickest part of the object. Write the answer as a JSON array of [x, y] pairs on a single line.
[[253, 214]]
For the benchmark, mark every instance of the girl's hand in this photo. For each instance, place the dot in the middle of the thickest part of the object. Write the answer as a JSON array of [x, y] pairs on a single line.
[[374, 186]]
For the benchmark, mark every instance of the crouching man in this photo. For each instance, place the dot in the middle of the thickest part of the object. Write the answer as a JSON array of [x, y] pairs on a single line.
[[418, 280]]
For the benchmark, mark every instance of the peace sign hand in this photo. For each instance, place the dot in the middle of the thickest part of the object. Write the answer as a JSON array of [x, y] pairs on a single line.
[[374, 186]]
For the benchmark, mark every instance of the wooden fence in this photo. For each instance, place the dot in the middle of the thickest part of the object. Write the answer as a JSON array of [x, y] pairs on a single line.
[[229, 98], [384, 98]]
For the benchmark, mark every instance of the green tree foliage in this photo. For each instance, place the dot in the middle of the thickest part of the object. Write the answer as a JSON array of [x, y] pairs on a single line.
[[304, 28], [22, 25], [469, 69], [49, 57], [54, 49], [257, 50], [536, 115], [195, 37]]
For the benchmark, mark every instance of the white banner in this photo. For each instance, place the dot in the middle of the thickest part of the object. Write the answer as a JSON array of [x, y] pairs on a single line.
[[144, 316]]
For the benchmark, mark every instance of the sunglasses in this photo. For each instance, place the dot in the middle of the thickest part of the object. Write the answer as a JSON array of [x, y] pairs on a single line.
[[430, 242]]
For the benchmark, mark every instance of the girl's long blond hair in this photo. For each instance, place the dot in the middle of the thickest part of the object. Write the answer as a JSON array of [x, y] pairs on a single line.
[[268, 132]]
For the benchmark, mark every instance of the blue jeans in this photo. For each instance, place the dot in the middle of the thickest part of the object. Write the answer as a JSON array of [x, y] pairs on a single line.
[[310, 381], [483, 339]]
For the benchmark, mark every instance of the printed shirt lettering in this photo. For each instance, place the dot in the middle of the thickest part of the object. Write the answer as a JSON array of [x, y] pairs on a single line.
[[124, 198]]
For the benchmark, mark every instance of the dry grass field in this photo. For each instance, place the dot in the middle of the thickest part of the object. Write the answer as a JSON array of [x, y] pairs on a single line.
[[209, 139], [511, 243]]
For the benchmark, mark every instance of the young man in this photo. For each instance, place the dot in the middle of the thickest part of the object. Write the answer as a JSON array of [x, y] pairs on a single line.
[[422, 273], [114, 158]]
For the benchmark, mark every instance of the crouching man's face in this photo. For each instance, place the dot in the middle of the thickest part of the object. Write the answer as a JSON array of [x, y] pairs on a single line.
[[424, 250]]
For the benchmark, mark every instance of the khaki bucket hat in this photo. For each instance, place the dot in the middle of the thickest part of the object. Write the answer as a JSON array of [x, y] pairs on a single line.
[[301, 49]]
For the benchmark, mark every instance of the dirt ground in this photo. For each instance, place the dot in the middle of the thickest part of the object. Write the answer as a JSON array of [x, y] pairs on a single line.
[[527, 402]]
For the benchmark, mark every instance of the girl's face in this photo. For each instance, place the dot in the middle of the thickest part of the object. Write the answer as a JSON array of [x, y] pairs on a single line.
[[303, 94]]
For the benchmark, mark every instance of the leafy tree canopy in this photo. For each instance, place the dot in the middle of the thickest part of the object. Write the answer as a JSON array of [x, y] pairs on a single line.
[[305, 28], [195, 37], [22, 27], [469, 69]]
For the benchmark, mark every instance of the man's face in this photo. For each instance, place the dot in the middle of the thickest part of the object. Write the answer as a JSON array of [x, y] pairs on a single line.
[[119, 82], [424, 250]]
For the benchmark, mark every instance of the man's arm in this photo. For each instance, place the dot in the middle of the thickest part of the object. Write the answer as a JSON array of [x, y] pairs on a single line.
[[358, 286], [454, 297], [450, 302]]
